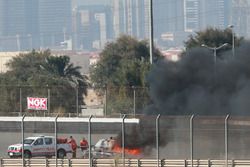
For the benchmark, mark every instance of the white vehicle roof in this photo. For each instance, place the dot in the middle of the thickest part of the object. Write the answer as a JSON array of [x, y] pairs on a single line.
[[36, 137]]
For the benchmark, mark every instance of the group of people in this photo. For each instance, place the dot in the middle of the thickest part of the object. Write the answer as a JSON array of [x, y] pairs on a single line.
[[106, 145], [83, 145]]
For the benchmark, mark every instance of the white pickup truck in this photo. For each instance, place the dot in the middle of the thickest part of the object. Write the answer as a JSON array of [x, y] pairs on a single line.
[[40, 146]]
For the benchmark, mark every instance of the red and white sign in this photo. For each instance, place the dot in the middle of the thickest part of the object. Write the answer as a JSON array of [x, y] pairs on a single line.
[[35, 103]]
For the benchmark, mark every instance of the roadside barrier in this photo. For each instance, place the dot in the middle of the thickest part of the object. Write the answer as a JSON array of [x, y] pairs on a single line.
[[119, 163]]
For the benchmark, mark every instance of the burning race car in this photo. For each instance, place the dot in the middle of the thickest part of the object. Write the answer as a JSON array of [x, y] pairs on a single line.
[[108, 148]]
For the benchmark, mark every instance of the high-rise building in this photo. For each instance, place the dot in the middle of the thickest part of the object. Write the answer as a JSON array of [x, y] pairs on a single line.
[[12, 23], [116, 18], [92, 26], [101, 18], [191, 15], [27, 24], [130, 17], [54, 22], [168, 22], [215, 13], [241, 17]]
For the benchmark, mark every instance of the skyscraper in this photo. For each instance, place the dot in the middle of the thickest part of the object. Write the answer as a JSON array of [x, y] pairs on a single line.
[[12, 23], [130, 17], [54, 21], [27, 24], [116, 18], [92, 26], [241, 17], [215, 13], [191, 15]]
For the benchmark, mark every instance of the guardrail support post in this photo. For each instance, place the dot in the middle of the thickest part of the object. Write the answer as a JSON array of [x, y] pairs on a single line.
[[138, 163], [69, 163], [56, 139], [209, 163], [89, 132], [162, 162], [46, 162], [185, 163], [22, 129]]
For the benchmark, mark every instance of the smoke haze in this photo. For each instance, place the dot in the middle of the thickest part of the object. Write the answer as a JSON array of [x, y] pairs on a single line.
[[195, 85]]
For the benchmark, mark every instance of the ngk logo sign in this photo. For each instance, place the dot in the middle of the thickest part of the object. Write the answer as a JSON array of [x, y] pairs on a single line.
[[35, 103]]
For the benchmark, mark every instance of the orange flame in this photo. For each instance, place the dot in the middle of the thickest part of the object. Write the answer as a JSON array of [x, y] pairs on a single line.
[[132, 151]]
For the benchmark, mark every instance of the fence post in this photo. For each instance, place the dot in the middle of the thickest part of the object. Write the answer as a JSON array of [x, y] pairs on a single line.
[[191, 139], [105, 103], [77, 105], [56, 139], [134, 100], [226, 140], [89, 132], [48, 99], [123, 140], [22, 129], [157, 138], [1, 162], [20, 101]]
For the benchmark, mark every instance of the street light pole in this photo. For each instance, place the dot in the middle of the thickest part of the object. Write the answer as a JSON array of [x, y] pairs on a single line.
[[233, 40], [215, 51]]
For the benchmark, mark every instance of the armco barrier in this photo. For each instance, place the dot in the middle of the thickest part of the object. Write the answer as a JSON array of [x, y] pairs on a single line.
[[119, 163]]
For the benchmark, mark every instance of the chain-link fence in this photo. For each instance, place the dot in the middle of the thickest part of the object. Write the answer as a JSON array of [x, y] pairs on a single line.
[[69, 101], [176, 137]]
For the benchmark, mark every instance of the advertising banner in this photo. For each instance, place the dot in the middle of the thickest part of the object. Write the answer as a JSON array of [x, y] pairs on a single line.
[[35, 103]]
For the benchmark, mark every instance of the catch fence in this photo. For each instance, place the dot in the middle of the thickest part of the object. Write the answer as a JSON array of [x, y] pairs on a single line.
[[157, 137], [69, 100]]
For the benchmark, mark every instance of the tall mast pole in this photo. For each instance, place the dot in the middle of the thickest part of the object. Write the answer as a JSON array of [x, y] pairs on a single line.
[[151, 30]]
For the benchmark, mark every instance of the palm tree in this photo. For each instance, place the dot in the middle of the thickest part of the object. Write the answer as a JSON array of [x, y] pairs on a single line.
[[61, 71], [61, 68]]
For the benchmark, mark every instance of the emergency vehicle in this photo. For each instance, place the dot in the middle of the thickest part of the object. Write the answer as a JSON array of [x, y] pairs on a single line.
[[40, 146]]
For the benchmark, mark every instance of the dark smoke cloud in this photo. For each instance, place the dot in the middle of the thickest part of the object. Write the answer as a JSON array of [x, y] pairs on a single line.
[[143, 135], [194, 85]]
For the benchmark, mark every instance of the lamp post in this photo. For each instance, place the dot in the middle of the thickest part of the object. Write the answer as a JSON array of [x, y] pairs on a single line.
[[215, 52], [233, 40]]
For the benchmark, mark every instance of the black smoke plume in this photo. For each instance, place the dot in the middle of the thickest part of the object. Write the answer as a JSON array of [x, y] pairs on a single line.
[[197, 84]]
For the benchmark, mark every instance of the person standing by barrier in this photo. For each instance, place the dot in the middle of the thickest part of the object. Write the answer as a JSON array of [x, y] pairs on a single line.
[[84, 146], [73, 144], [111, 143]]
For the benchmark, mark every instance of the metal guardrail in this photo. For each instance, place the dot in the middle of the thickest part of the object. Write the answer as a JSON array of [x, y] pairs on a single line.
[[119, 163]]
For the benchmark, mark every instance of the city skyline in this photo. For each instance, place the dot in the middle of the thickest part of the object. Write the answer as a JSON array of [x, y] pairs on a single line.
[[89, 25]]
